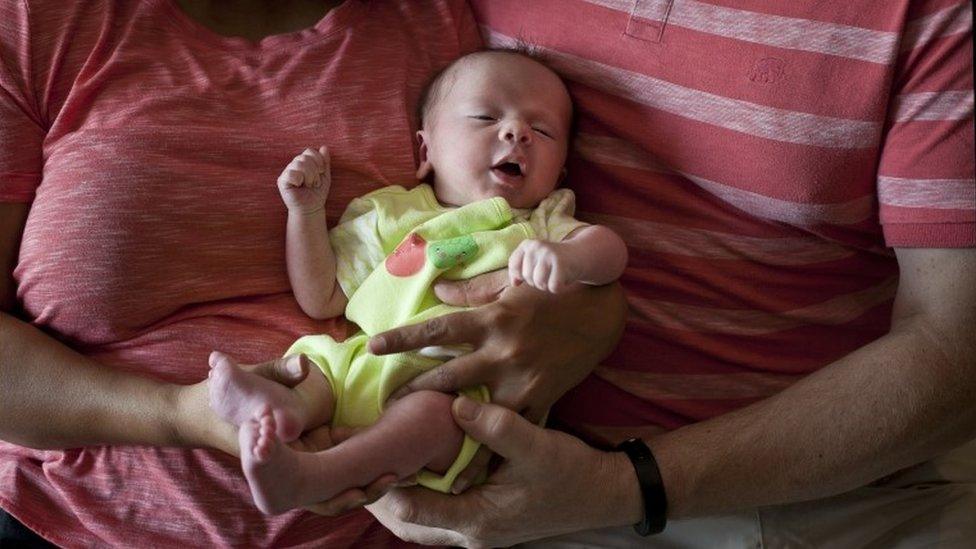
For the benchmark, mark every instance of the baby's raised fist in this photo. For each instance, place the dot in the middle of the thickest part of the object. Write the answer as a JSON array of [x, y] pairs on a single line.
[[305, 182], [547, 266]]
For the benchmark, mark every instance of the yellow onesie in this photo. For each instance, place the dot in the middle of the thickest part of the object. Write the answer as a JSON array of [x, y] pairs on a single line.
[[390, 247]]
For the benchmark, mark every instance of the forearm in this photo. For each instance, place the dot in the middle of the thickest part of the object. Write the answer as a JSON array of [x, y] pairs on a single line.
[[312, 265], [600, 253], [904, 398], [52, 397]]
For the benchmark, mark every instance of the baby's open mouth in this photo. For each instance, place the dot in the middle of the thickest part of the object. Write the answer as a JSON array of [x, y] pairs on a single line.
[[509, 168]]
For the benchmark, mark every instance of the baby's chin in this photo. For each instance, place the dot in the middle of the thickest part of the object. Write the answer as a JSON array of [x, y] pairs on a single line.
[[516, 196]]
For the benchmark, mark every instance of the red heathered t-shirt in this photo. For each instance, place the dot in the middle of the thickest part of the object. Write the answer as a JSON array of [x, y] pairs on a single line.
[[759, 158], [148, 148]]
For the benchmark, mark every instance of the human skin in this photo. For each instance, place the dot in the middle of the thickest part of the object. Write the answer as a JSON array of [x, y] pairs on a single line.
[[492, 107], [416, 432], [118, 408], [902, 399], [470, 129], [42, 376]]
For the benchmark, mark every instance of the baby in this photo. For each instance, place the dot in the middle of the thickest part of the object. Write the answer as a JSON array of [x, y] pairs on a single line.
[[495, 130]]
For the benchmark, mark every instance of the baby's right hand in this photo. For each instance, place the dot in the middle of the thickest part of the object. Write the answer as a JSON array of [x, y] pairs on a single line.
[[304, 184]]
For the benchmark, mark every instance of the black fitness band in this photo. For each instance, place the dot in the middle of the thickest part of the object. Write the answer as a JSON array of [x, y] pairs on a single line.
[[652, 489]]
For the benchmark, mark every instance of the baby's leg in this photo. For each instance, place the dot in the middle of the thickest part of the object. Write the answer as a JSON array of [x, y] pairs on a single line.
[[417, 431], [238, 395]]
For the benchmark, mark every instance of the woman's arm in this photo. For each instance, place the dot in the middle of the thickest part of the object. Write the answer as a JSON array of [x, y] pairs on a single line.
[[53, 397]]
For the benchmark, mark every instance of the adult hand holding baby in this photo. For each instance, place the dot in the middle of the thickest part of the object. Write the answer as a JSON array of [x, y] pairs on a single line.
[[530, 347], [534, 493]]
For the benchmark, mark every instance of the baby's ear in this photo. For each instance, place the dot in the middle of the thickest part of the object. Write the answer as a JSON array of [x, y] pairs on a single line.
[[425, 168]]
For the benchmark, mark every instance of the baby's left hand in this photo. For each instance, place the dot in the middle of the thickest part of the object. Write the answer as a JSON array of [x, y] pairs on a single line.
[[547, 266]]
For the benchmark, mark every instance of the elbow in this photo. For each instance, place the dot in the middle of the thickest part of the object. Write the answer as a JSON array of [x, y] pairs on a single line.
[[325, 309]]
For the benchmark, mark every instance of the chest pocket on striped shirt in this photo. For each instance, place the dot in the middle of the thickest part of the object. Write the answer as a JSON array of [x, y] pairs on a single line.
[[647, 19]]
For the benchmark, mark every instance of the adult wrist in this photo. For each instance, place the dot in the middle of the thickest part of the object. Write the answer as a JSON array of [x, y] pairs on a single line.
[[655, 503], [628, 508]]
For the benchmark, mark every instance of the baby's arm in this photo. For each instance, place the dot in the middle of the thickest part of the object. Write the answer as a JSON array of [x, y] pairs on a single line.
[[304, 186], [591, 255]]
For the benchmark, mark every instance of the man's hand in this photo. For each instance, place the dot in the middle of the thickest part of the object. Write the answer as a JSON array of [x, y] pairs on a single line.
[[546, 266], [549, 484], [325, 437], [305, 182], [530, 346]]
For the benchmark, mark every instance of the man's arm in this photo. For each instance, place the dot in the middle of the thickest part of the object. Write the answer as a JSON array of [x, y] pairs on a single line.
[[902, 399]]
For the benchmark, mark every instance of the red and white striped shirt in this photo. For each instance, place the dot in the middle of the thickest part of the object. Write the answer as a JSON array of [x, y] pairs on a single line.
[[760, 159]]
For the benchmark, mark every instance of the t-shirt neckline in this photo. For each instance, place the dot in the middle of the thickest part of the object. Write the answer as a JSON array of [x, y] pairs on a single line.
[[339, 18]]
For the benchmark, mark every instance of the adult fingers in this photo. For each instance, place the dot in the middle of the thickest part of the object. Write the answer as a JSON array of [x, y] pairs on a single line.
[[423, 507], [355, 497], [462, 327], [288, 371], [475, 469], [463, 371], [502, 430], [475, 291]]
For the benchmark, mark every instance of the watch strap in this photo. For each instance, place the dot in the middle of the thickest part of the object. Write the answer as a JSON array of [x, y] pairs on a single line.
[[651, 486]]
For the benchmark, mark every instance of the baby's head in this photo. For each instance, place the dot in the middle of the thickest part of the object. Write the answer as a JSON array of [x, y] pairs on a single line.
[[494, 123]]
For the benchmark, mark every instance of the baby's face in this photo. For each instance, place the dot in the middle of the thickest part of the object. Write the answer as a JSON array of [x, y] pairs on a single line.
[[500, 128]]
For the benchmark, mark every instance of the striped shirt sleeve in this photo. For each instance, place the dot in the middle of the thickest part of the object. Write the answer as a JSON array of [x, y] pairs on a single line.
[[21, 129], [926, 191]]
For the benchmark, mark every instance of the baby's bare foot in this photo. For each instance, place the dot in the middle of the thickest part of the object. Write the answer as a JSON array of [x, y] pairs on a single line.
[[269, 465], [237, 396]]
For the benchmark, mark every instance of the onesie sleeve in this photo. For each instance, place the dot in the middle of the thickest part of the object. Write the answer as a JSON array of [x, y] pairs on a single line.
[[553, 219], [373, 225], [356, 243], [926, 193], [21, 125]]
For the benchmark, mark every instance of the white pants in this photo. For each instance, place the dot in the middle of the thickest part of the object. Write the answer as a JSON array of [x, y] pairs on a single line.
[[930, 505]]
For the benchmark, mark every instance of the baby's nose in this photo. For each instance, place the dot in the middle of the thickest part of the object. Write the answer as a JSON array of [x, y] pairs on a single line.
[[516, 132]]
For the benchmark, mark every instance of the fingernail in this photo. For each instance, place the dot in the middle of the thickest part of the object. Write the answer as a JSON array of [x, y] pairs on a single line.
[[375, 344], [459, 486], [294, 367], [465, 408]]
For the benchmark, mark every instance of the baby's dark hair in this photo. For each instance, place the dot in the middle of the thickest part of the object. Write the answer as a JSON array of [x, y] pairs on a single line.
[[438, 85]]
